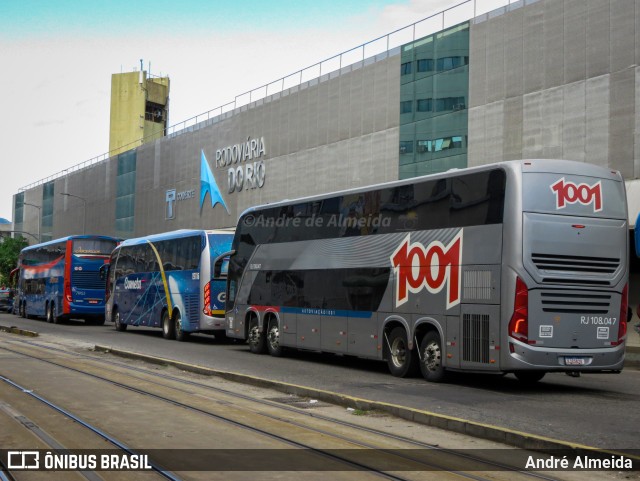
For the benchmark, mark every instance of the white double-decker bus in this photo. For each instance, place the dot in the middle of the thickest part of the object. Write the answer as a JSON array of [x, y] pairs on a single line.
[[516, 267]]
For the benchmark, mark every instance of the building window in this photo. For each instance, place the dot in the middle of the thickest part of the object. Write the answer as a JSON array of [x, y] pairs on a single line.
[[424, 105], [449, 63], [19, 208], [46, 220], [424, 146], [154, 112], [126, 194], [405, 107], [450, 103], [439, 102], [406, 146], [425, 65], [437, 145]]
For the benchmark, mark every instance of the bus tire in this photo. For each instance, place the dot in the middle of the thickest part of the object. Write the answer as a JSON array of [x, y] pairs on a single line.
[[529, 377], [273, 338], [181, 335], [431, 357], [118, 322], [256, 339], [168, 327], [49, 316], [54, 318], [400, 359]]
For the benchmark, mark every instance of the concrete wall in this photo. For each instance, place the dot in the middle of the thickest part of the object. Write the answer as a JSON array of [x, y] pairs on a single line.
[[334, 133], [557, 78]]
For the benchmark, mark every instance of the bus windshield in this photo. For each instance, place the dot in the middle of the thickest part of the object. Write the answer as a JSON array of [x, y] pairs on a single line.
[[219, 244]]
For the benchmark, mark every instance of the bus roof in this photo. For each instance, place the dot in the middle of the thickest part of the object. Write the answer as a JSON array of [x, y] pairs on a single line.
[[71, 237], [531, 165], [176, 234]]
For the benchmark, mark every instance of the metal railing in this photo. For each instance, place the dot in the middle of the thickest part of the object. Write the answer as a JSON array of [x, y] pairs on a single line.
[[331, 67]]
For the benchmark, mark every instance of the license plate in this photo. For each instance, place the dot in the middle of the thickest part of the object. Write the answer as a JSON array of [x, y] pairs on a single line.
[[574, 361], [93, 302]]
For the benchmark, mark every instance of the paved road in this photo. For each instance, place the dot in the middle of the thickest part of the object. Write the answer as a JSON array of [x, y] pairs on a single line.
[[597, 410]]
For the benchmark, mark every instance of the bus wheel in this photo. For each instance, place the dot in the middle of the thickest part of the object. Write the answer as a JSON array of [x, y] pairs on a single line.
[[118, 322], [54, 318], [400, 359], [257, 339], [181, 335], [529, 377], [273, 339], [168, 327], [431, 358], [49, 313]]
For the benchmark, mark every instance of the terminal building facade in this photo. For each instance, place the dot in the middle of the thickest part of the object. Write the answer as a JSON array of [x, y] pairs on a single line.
[[533, 79]]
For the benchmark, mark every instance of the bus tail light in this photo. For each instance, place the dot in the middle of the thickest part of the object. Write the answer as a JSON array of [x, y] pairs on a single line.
[[207, 299], [622, 324], [519, 323], [67, 291]]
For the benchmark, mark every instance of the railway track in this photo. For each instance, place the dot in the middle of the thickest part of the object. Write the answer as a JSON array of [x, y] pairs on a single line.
[[263, 428]]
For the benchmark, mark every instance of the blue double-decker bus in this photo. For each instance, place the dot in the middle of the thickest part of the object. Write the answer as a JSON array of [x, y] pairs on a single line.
[[60, 279], [165, 280]]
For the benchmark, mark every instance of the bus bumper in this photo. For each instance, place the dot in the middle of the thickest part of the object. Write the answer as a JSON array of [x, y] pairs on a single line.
[[209, 323], [525, 357], [81, 310]]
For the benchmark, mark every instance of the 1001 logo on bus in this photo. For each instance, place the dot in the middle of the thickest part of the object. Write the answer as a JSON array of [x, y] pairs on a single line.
[[570, 193], [433, 267]]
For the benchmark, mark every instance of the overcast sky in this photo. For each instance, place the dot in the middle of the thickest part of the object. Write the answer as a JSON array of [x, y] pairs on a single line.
[[57, 57]]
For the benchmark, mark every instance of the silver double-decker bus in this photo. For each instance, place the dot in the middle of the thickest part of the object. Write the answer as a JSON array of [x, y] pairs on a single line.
[[515, 267]]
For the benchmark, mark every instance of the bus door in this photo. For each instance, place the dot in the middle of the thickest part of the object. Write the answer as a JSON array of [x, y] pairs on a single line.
[[215, 290], [575, 236], [214, 277]]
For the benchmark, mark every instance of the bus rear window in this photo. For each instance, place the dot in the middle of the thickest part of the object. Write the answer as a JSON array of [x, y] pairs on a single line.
[[93, 247], [573, 195]]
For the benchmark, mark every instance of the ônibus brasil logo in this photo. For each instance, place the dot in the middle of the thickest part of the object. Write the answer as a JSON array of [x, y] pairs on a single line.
[[417, 267], [570, 193]]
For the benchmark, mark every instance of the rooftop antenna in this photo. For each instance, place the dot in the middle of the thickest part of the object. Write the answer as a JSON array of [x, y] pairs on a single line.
[[141, 69]]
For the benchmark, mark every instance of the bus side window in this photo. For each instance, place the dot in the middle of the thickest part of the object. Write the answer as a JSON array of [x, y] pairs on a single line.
[[193, 257], [150, 256]]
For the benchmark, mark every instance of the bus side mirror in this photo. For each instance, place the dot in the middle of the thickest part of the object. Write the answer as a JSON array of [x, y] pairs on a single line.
[[218, 274], [104, 269]]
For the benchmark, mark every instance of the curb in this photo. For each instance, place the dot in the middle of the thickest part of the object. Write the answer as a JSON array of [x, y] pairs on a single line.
[[17, 330], [489, 432]]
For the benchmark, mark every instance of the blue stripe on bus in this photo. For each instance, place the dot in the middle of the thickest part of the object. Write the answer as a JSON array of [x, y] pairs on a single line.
[[326, 312]]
